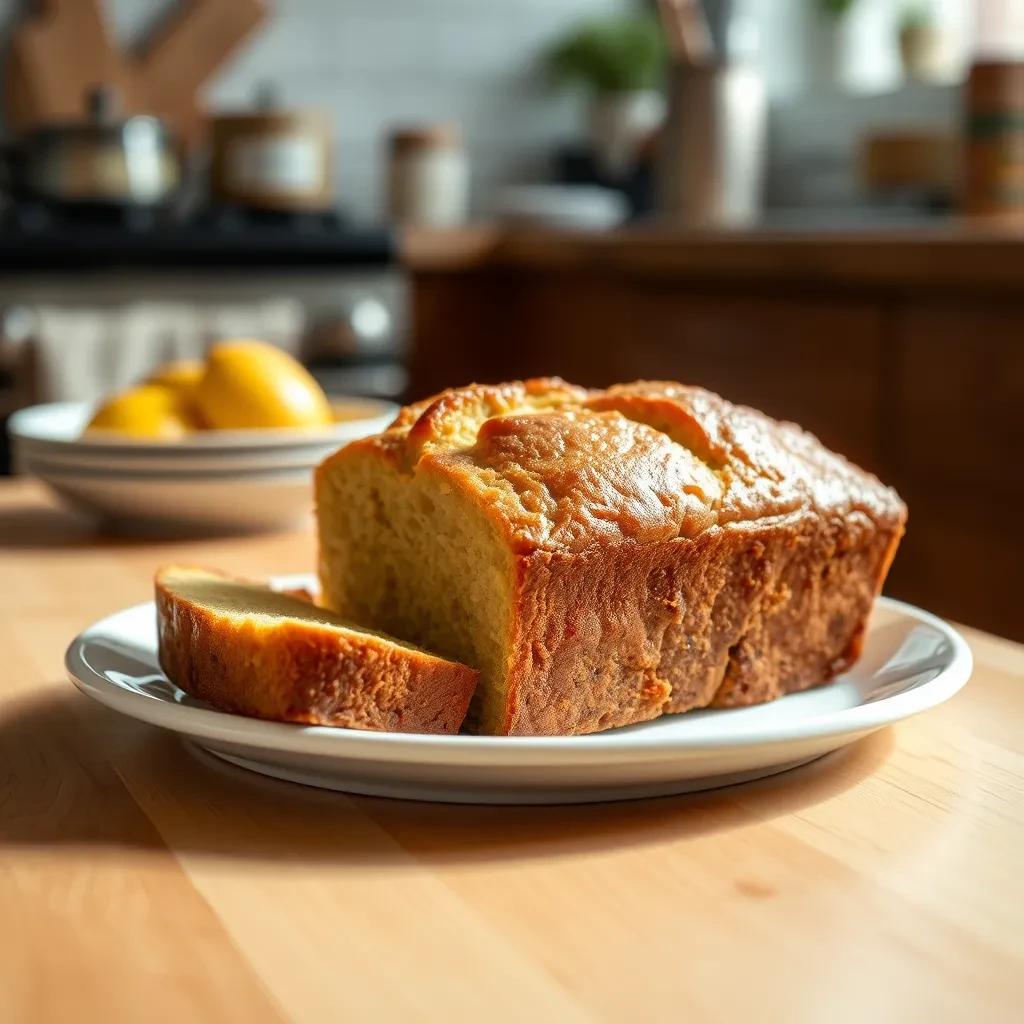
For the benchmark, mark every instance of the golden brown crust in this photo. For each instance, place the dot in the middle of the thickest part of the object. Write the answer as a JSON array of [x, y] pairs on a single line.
[[301, 670], [672, 550]]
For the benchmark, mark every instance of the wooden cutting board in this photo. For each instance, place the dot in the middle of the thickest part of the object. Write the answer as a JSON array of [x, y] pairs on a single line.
[[56, 58], [185, 52], [65, 48]]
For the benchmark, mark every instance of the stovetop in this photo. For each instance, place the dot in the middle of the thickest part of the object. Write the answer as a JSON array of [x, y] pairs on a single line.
[[38, 237]]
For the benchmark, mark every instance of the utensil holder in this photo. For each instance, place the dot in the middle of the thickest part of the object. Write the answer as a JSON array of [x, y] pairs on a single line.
[[711, 167]]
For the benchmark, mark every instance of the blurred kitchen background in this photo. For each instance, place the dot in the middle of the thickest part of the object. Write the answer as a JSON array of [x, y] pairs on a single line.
[[810, 205]]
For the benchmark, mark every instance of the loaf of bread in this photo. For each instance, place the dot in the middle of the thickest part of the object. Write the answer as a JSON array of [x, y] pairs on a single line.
[[605, 557], [247, 649]]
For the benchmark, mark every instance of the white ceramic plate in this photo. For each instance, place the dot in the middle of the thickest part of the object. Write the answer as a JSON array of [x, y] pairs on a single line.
[[911, 662]]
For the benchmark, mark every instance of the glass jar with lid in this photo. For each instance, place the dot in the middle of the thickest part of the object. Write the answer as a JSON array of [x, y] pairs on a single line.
[[428, 176]]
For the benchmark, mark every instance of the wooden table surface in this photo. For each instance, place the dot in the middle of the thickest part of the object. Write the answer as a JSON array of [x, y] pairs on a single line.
[[140, 880]]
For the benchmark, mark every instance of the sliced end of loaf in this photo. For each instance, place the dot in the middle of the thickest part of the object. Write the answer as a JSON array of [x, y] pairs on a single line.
[[407, 553], [247, 649]]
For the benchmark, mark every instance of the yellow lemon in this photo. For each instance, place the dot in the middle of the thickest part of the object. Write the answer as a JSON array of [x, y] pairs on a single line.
[[184, 374], [249, 384], [147, 411]]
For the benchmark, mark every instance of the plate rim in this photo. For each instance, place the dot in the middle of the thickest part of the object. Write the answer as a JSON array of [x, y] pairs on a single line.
[[603, 747]]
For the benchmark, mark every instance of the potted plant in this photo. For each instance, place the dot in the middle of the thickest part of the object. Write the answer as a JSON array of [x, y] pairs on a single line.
[[619, 63], [920, 43]]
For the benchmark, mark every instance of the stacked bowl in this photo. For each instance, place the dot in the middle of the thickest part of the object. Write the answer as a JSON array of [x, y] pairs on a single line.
[[211, 481]]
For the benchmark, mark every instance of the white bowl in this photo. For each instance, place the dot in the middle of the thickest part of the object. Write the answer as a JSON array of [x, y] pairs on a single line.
[[216, 480], [170, 505]]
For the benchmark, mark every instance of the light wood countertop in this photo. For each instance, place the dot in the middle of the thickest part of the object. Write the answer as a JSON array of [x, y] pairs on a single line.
[[141, 881]]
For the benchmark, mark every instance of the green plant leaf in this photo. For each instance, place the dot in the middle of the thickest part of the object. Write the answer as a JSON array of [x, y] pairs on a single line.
[[835, 8], [620, 54]]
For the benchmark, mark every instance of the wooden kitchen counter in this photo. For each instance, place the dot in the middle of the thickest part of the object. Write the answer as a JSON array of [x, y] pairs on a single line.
[[141, 880], [959, 255]]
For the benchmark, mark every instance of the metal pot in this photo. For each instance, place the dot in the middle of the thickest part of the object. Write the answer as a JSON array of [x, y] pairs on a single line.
[[102, 160], [270, 158]]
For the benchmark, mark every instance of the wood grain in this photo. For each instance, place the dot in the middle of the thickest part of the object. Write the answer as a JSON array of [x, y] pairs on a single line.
[[140, 879]]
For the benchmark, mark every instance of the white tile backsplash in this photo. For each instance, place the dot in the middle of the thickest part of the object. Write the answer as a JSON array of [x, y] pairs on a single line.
[[377, 63]]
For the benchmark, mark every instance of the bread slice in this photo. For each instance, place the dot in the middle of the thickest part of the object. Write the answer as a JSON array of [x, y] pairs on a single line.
[[245, 648], [605, 557]]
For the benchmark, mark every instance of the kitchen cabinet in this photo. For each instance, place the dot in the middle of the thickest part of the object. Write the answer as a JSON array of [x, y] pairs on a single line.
[[904, 352], [958, 452]]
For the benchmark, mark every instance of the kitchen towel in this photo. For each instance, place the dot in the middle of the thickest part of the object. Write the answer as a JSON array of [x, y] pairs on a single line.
[[66, 353]]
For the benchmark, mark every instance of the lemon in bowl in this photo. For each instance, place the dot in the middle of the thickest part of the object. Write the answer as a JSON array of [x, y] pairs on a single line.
[[182, 375], [241, 386], [148, 411], [251, 385]]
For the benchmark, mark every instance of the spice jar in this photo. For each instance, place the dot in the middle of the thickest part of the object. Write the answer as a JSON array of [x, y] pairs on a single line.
[[993, 167], [428, 176], [994, 135]]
